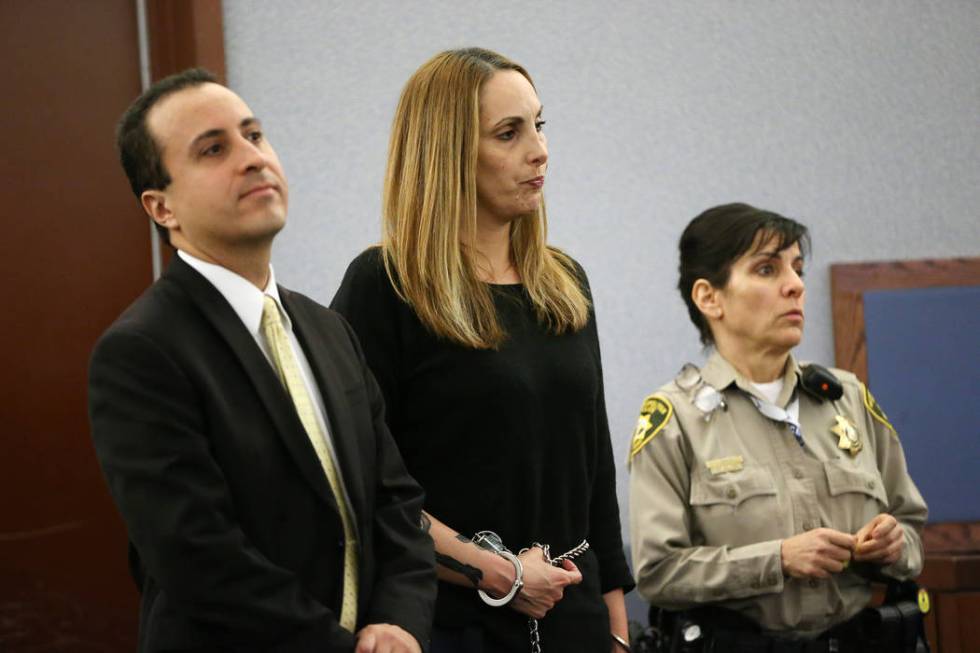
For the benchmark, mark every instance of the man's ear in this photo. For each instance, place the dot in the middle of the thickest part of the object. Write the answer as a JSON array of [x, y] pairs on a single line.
[[707, 298], [157, 206]]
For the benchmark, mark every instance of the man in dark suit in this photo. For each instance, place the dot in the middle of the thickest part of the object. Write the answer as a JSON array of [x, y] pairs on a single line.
[[239, 429]]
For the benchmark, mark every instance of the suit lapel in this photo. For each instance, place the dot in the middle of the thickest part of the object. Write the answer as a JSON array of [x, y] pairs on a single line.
[[325, 360], [222, 317]]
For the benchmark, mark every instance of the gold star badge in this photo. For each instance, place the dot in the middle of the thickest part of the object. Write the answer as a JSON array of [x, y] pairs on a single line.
[[848, 435]]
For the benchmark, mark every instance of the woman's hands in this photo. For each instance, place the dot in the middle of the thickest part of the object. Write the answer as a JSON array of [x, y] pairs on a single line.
[[824, 551], [544, 584], [460, 561], [618, 623], [817, 553], [881, 541]]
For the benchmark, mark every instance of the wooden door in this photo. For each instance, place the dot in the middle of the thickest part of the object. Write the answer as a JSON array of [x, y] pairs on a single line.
[[75, 251]]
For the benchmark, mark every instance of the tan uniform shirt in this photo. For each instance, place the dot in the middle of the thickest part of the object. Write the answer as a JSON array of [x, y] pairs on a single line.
[[712, 499]]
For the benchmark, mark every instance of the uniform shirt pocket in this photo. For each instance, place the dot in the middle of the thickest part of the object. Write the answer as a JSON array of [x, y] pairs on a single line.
[[736, 508], [856, 495]]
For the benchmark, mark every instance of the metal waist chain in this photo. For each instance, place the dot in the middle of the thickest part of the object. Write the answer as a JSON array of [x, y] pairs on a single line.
[[574, 552]]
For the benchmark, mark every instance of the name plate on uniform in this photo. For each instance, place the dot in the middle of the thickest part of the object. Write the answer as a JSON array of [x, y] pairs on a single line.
[[723, 465]]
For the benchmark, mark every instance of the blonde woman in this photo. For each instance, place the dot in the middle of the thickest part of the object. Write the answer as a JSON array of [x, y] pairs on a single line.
[[483, 341]]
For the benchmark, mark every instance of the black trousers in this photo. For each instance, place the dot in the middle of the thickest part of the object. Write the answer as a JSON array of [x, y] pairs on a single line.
[[740, 643], [465, 640]]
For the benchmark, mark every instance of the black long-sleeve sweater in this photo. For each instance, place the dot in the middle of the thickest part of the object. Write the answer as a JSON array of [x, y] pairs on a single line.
[[513, 440]]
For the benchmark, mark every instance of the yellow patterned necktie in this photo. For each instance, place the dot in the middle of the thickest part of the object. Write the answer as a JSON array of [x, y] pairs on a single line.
[[289, 374]]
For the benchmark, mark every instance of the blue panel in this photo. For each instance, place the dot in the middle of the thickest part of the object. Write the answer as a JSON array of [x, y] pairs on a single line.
[[924, 370]]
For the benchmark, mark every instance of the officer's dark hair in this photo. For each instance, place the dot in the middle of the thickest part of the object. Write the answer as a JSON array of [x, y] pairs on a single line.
[[714, 240], [138, 152]]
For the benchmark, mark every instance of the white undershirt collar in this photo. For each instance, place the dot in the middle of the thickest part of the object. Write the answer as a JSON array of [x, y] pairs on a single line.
[[770, 390]]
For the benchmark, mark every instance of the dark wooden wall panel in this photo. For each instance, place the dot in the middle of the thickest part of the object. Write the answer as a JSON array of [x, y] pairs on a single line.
[[75, 252], [186, 34]]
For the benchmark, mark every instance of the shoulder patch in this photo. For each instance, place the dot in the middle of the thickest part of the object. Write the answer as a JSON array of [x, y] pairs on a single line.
[[875, 409], [654, 415]]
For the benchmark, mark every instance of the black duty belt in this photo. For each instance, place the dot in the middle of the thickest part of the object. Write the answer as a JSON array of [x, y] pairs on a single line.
[[895, 627], [843, 638]]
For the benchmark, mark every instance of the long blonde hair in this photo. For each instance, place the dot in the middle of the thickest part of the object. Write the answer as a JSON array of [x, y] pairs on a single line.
[[430, 208]]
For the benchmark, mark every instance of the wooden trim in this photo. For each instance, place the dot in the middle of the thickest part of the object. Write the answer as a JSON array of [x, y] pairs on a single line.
[[955, 538], [952, 556], [849, 281], [185, 34], [951, 572], [958, 622]]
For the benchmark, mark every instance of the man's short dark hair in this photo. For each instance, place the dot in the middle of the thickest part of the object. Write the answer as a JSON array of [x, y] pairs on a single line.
[[138, 152], [714, 240]]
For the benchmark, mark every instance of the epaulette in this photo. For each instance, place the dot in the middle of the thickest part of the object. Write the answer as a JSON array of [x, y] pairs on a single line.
[[654, 415]]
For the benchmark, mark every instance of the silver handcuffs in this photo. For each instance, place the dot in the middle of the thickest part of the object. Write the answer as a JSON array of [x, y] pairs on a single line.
[[491, 542]]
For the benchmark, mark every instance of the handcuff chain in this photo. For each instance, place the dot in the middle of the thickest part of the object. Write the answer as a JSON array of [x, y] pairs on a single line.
[[574, 552]]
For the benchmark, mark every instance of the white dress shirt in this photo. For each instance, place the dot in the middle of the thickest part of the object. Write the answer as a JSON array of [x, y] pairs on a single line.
[[248, 303]]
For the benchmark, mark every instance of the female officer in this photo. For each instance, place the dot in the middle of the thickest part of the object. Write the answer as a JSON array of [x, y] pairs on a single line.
[[483, 340], [758, 484]]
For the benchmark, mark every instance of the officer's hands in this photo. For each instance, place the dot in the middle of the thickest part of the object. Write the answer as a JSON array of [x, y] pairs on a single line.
[[385, 638], [544, 584], [817, 553], [881, 540]]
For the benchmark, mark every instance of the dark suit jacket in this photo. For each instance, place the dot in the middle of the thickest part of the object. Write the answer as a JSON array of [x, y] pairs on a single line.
[[235, 537]]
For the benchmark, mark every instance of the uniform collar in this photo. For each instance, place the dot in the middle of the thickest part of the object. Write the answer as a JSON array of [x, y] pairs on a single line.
[[719, 374]]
